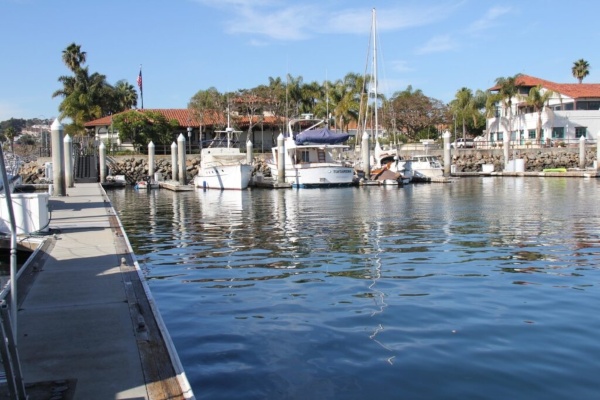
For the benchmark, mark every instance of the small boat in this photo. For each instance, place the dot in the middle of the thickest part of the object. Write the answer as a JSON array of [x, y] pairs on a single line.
[[223, 166], [114, 182], [146, 184], [423, 168], [389, 166], [313, 156]]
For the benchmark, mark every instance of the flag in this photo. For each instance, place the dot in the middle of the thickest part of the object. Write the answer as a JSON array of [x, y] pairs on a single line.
[[139, 79], [139, 82]]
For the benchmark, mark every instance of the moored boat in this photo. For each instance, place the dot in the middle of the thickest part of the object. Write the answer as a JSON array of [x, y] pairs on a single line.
[[313, 156], [423, 167], [223, 166]]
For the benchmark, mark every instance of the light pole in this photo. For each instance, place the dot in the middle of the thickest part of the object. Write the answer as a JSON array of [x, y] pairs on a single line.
[[189, 131], [454, 127]]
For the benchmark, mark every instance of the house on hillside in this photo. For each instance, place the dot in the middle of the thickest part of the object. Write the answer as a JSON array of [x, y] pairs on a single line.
[[265, 129], [571, 112]]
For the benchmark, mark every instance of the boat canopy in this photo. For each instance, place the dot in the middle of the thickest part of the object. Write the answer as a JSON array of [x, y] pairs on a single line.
[[320, 136]]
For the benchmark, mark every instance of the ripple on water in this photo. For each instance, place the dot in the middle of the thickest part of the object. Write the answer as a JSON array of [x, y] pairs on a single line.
[[484, 288]]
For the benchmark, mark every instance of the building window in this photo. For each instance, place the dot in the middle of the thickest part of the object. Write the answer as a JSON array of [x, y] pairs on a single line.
[[500, 136], [588, 105], [558, 132], [531, 133], [580, 131]]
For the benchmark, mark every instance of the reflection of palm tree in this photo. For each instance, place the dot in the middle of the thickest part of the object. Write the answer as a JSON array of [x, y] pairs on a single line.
[[581, 69]]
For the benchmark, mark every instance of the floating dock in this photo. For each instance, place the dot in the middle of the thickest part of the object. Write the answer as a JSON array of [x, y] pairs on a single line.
[[87, 322]]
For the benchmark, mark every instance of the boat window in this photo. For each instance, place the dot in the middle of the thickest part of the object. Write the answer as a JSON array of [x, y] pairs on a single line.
[[304, 156]]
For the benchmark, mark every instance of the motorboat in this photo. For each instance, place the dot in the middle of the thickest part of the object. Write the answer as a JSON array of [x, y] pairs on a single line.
[[146, 184], [313, 155], [388, 166], [223, 166], [423, 167]]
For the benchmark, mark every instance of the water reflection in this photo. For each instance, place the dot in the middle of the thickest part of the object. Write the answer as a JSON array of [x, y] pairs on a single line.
[[305, 293]]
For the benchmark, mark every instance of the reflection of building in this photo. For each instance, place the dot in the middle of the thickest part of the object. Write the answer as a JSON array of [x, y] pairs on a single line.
[[571, 112], [264, 133]]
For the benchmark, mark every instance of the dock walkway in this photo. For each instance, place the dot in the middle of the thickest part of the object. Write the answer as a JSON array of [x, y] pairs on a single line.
[[86, 319]]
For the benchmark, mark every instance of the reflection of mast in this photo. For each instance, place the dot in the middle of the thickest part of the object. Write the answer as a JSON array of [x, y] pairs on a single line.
[[379, 296], [374, 27]]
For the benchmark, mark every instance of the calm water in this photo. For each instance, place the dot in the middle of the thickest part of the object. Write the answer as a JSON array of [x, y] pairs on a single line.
[[484, 288]]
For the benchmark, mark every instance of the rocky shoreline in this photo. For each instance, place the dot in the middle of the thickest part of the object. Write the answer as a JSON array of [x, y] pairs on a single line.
[[535, 160], [136, 168]]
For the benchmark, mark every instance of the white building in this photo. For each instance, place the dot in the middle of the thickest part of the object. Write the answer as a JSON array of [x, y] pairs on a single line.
[[571, 112]]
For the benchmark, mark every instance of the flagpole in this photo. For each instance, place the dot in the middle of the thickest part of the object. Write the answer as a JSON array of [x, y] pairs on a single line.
[[140, 85]]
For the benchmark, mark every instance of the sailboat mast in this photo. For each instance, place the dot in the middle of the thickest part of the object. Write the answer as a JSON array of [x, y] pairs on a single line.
[[374, 27]]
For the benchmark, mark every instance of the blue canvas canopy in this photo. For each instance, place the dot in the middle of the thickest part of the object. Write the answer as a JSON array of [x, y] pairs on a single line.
[[320, 136]]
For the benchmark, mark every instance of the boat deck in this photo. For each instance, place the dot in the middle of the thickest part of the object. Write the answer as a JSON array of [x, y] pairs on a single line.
[[87, 321]]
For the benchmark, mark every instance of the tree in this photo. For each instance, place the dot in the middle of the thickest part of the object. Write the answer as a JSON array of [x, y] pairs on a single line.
[[294, 93], [508, 88], [250, 102], [537, 99], [207, 105], [84, 98], [87, 96], [10, 133], [73, 57], [464, 107], [580, 69], [142, 127], [413, 113], [125, 96]]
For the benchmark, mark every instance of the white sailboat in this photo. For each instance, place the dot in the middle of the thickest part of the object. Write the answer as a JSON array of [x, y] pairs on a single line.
[[385, 165], [223, 166]]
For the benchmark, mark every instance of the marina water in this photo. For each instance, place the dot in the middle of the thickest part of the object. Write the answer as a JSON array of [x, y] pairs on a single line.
[[482, 288]]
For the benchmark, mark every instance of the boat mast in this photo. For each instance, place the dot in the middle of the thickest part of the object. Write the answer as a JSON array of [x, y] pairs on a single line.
[[229, 130], [374, 27]]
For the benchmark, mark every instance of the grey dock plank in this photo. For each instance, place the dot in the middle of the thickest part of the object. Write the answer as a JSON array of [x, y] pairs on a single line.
[[87, 318]]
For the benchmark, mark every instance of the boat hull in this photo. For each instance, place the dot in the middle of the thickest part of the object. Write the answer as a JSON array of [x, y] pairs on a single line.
[[224, 177], [311, 176]]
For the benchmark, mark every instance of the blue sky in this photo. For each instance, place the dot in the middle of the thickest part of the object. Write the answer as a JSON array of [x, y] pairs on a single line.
[[184, 46]]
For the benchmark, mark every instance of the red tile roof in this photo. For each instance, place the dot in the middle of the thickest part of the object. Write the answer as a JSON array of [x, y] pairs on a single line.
[[183, 116], [573, 90]]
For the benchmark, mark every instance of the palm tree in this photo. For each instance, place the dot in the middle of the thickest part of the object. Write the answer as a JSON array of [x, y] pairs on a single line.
[[537, 99], [581, 69], [73, 57], [10, 134], [508, 88], [294, 93], [83, 98], [125, 96], [345, 99], [465, 107]]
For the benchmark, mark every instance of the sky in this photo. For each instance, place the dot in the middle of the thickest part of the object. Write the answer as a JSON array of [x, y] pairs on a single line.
[[183, 46]]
